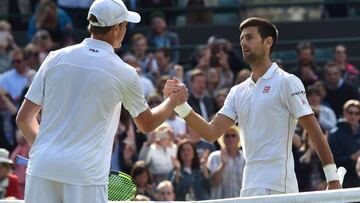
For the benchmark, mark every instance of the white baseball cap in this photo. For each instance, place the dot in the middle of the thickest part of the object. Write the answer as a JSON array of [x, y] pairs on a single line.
[[4, 156], [111, 12]]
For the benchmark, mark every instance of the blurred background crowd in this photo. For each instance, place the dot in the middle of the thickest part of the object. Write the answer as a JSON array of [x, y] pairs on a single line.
[[196, 41]]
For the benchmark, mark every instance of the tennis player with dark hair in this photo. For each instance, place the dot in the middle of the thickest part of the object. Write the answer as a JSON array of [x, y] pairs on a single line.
[[80, 90], [267, 107]]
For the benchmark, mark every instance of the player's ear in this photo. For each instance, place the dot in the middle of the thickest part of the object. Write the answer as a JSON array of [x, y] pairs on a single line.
[[123, 25], [268, 42]]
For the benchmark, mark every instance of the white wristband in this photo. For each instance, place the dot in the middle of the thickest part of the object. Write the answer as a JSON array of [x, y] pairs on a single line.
[[331, 174], [183, 110]]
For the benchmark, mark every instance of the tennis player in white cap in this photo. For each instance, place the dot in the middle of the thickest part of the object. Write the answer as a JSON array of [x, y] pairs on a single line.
[[80, 90]]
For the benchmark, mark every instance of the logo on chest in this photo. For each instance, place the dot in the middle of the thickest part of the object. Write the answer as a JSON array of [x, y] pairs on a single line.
[[266, 89]]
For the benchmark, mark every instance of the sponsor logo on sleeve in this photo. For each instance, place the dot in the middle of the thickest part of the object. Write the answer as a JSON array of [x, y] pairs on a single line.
[[298, 93]]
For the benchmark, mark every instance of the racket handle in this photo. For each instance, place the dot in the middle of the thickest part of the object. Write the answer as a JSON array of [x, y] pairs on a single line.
[[341, 172], [21, 160]]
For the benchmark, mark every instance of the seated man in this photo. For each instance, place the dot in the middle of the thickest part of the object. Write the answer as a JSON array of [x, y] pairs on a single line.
[[165, 191]]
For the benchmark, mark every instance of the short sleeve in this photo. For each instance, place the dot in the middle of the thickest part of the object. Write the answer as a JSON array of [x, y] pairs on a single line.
[[229, 109], [36, 92], [294, 97], [133, 97]]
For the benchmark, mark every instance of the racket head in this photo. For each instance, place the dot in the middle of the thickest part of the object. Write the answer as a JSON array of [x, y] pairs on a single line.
[[121, 187]]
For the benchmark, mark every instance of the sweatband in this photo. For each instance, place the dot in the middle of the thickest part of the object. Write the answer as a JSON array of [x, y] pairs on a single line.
[[331, 174], [183, 110]]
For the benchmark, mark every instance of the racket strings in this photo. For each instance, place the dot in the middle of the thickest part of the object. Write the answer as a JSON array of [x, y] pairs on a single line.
[[121, 187]]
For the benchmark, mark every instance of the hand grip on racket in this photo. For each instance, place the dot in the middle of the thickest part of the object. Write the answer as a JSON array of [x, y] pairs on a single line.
[[121, 186]]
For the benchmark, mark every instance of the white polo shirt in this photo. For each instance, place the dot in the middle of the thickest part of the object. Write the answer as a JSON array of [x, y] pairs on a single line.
[[267, 113], [81, 89]]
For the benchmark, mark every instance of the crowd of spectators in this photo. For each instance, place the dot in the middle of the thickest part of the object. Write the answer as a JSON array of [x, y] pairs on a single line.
[[173, 162]]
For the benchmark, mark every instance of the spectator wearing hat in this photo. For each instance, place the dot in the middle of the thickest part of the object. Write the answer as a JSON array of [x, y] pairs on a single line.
[[226, 166], [9, 185]]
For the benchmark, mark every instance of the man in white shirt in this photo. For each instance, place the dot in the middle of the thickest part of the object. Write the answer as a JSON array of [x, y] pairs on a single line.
[[266, 107], [80, 90], [16, 79]]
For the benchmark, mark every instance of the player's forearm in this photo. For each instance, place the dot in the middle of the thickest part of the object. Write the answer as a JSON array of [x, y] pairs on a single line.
[[318, 140], [29, 128], [161, 113], [150, 119], [202, 127], [322, 149]]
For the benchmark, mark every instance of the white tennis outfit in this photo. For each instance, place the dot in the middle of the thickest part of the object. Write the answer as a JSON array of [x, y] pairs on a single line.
[[267, 113], [81, 89]]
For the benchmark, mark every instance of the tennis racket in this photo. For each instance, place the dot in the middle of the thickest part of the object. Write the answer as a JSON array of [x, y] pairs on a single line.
[[121, 186]]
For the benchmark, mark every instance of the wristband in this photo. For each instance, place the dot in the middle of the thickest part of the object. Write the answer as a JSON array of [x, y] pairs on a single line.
[[183, 110], [331, 174]]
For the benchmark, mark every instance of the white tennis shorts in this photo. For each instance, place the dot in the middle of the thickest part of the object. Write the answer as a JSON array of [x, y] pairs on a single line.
[[39, 190], [251, 192]]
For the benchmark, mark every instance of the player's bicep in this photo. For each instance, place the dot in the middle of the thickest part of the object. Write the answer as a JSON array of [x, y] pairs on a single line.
[[143, 119]]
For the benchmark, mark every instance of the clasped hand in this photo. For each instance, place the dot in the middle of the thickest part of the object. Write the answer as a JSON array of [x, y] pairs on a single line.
[[176, 91]]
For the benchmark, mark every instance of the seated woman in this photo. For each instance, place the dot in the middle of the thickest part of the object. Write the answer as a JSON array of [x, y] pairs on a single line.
[[190, 179], [53, 19], [143, 180], [158, 151]]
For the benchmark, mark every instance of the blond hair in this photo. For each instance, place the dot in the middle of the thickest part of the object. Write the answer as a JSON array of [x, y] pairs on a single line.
[[351, 102], [221, 138]]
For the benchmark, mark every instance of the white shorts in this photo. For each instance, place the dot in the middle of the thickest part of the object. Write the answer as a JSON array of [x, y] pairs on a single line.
[[251, 192], [39, 190]]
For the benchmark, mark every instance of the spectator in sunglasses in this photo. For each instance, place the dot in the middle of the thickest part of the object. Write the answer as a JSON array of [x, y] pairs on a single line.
[[345, 142], [20, 76], [32, 53], [226, 166]]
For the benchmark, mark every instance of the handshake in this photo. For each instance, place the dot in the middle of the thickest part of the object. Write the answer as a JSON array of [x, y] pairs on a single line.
[[178, 95]]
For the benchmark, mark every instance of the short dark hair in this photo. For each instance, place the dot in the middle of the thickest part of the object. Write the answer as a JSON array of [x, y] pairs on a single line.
[[312, 90], [96, 29], [305, 45], [265, 28], [138, 168], [165, 51]]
